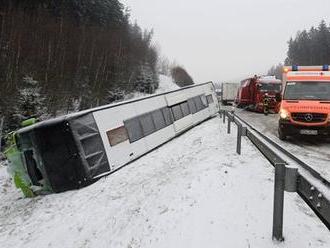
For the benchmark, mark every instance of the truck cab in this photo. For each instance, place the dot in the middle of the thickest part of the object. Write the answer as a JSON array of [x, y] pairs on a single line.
[[255, 91], [305, 106]]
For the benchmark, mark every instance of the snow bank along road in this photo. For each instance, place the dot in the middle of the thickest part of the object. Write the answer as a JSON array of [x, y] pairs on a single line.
[[192, 192], [315, 151]]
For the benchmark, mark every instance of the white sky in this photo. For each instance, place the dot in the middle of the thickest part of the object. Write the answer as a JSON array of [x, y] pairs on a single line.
[[226, 40]]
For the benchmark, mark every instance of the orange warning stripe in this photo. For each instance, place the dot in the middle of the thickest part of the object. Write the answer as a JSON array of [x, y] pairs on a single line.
[[308, 78]]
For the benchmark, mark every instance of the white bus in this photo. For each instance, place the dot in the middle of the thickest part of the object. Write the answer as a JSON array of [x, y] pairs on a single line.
[[75, 150]]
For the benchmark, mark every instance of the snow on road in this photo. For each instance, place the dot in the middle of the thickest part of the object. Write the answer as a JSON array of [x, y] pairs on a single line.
[[315, 151], [192, 192]]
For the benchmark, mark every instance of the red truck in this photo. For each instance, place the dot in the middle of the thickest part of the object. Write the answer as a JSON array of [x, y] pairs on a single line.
[[261, 94]]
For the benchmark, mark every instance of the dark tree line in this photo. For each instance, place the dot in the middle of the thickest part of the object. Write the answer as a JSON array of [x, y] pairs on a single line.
[[76, 53], [308, 47], [276, 70]]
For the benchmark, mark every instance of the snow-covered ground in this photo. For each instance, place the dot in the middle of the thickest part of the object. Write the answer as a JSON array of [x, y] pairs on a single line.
[[315, 151], [165, 84], [192, 192]]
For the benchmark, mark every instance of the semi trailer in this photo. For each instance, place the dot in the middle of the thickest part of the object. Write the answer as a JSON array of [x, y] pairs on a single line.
[[228, 93]]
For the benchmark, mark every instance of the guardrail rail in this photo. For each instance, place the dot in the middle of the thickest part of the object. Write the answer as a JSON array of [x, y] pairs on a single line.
[[287, 178]]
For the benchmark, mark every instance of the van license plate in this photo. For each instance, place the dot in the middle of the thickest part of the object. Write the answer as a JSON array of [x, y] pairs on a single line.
[[308, 132]]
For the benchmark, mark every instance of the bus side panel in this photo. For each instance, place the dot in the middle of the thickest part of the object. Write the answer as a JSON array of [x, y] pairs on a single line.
[[161, 136], [177, 98], [110, 119], [205, 113]]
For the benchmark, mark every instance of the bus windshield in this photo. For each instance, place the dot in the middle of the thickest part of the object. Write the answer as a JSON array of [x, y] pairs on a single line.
[[307, 91], [270, 87]]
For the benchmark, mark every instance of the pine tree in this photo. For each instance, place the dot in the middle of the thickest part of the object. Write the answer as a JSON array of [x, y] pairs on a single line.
[[30, 102], [115, 95], [77, 50], [146, 80], [310, 47]]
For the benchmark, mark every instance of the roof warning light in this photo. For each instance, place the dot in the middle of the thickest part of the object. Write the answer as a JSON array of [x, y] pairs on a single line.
[[294, 68]]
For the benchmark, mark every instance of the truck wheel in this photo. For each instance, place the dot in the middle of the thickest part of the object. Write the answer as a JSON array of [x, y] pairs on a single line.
[[281, 134]]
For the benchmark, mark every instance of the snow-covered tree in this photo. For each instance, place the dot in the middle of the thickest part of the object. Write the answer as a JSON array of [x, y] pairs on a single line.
[[163, 66], [30, 102], [147, 80], [115, 94], [85, 99]]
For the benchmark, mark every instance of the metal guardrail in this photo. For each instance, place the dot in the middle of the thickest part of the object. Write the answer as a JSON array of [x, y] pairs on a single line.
[[288, 154], [286, 178]]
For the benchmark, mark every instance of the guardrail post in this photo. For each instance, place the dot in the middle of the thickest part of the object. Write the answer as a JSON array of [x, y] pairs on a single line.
[[241, 131], [279, 186], [239, 139], [229, 124], [291, 179], [224, 117]]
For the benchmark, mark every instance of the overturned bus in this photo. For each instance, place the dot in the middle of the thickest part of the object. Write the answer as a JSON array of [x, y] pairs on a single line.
[[75, 150]]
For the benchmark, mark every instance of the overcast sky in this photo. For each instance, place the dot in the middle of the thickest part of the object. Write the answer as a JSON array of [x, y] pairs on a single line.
[[226, 40]]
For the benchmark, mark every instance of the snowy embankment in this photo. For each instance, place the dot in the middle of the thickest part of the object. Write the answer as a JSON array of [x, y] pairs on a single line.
[[192, 192], [165, 84]]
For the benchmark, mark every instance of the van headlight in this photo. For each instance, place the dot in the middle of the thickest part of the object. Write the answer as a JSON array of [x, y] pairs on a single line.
[[284, 114]]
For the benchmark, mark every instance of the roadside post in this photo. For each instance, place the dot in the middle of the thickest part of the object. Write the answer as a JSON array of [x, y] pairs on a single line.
[[220, 113], [285, 180], [241, 131], [279, 186], [229, 124]]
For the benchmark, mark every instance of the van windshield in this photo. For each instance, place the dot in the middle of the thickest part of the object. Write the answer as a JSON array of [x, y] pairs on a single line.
[[307, 91], [270, 87]]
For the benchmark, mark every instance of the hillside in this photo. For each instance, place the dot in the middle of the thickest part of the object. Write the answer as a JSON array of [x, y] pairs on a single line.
[[70, 55]]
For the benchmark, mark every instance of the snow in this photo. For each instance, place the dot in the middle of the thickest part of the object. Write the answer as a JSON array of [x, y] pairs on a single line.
[[192, 192], [166, 84]]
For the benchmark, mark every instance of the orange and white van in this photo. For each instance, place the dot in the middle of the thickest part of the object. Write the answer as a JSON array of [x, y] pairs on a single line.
[[305, 106]]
